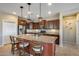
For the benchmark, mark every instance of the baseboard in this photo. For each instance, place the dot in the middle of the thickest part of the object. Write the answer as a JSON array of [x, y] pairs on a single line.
[[60, 45], [66, 42]]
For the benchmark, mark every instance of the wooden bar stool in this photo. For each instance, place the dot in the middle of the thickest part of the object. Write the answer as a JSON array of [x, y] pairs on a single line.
[[14, 44], [23, 45], [37, 48]]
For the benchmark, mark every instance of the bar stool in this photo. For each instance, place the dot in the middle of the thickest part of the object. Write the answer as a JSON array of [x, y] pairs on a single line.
[[23, 45], [37, 48], [14, 44]]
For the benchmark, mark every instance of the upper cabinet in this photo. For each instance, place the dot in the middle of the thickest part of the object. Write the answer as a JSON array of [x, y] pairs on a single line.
[[44, 24], [21, 21], [52, 24], [23, 24], [35, 25]]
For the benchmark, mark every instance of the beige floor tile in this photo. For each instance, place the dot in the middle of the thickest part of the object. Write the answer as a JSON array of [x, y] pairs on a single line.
[[60, 51]]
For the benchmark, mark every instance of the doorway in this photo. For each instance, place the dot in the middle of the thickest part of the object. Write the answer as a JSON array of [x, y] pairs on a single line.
[[69, 29]]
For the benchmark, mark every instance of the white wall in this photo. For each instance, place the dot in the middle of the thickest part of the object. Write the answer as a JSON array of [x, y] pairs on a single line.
[[8, 26], [77, 30]]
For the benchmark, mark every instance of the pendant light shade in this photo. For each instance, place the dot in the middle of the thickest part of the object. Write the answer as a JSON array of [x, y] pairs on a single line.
[[49, 4], [29, 12], [40, 18], [21, 7]]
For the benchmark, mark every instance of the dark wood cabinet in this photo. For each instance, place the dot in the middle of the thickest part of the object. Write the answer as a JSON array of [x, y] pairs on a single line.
[[35, 25], [53, 24], [44, 24], [22, 22], [23, 25]]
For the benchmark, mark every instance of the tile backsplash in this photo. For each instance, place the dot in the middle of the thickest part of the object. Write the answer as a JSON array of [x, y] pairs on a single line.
[[48, 31]]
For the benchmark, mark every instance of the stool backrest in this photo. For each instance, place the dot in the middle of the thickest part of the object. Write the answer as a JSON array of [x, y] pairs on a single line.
[[12, 38], [38, 45]]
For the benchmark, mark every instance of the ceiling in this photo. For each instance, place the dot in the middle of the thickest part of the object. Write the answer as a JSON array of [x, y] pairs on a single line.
[[54, 8]]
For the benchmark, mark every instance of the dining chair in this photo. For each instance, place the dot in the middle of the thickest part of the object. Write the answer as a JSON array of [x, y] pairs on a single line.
[[14, 44]]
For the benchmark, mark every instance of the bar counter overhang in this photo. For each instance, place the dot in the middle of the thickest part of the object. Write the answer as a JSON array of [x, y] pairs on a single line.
[[48, 43]]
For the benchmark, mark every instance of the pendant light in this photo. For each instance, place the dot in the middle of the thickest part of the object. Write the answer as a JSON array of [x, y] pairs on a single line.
[[29, 12], [40, 18], [21, 10], [49, 4]]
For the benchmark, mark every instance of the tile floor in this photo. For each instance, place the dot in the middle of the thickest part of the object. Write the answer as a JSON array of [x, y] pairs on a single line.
[[60, 51]]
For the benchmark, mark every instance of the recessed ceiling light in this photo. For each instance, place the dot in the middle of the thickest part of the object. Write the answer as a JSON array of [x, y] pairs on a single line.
[[49, 12], [49, 4], [37, 16], [25, 16], [14, 12], [29, 12]]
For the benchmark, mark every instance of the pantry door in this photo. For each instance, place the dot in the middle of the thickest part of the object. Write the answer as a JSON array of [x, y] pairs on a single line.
[[69, 30]]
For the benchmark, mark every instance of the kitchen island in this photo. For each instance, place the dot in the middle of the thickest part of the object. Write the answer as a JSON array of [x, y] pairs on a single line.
[[48, 43], [46, 32]]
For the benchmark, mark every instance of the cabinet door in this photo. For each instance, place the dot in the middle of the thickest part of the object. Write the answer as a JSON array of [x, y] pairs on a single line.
[[70, 30]]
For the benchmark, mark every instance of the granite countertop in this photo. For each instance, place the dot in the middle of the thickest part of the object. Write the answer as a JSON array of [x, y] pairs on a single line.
[[41, 38]]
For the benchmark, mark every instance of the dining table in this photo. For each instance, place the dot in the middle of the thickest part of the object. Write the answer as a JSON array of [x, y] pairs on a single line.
[[48, 43]]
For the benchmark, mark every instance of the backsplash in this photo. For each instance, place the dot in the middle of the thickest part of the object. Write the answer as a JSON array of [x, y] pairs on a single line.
[[48, 31]]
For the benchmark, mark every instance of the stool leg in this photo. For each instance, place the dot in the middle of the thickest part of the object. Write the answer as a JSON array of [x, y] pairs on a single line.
[[12, 49], [19, 52]]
